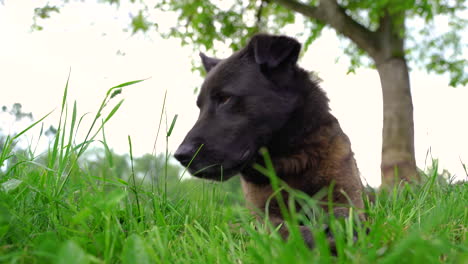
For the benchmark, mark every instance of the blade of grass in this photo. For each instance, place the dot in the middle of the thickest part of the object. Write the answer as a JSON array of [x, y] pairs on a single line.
[[172, 126], [84, 146], [134, 188]]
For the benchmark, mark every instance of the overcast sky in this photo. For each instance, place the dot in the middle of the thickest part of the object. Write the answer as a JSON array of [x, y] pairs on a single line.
[[88, 38]]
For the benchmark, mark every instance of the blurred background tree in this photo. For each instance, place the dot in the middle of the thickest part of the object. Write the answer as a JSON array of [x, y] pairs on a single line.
[[11, 115], [381, 34]]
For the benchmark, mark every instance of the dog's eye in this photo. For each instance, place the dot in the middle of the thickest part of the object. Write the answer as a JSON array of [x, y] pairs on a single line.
[[223, 99]]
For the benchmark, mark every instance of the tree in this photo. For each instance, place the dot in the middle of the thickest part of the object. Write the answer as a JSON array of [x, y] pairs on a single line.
[[16, 114], [378, 37], [13, 115]]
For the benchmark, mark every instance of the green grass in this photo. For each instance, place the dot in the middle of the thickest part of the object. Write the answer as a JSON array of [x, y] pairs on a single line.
[[59, 207]]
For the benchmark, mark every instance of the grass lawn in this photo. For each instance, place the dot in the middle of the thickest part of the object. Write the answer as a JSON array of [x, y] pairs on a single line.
[[62, 208]]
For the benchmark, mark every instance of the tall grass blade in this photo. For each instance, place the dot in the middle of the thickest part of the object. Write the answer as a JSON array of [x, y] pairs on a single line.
[[172, 126], [113, 111], [30, 126], [134, 187]]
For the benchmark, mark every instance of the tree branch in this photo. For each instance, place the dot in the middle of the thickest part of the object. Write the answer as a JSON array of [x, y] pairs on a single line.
[[329, 12], [259, 14]]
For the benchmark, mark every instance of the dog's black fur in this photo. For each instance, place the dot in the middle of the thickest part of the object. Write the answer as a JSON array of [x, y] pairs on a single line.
[[259, 97]]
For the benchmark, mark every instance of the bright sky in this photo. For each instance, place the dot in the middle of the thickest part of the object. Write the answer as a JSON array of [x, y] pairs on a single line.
[[88, 38]]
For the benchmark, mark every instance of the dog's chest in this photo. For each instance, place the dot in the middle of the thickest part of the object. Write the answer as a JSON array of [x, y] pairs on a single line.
[[255, 195]]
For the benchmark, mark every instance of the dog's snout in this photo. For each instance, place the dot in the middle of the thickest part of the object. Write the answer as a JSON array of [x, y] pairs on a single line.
[[184, 154]]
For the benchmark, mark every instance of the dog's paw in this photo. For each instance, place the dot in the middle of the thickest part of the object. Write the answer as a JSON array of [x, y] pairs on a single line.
[[332, 241], [307, 236]]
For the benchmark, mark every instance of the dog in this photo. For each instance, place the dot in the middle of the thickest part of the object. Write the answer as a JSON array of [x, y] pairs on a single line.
[[260, 98]]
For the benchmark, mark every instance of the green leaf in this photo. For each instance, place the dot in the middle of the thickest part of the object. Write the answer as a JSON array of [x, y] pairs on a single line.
[[113, 111], [123, 85], [11, 185], [111, 199], [140, 23], [31, 126], [65, 92], [45, 12], [109, 154], [71, 253], [135, 251], [172, 126]]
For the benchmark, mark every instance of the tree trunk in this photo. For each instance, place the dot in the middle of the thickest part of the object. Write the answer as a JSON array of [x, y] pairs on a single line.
[[398, 162]]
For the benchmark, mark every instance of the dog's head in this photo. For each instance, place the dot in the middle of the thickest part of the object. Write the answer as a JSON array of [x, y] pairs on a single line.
[[243, 101]]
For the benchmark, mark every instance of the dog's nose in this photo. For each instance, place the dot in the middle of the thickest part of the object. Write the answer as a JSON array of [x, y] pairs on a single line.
[[184, 154]]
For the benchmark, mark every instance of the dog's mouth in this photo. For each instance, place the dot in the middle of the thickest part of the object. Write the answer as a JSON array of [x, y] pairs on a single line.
[[223, 170]]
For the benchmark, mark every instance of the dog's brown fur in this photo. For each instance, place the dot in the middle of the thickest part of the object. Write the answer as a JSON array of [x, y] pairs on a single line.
[[326, 158]]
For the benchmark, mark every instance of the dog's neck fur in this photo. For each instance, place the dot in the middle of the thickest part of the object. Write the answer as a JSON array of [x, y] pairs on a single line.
[[312, 113]]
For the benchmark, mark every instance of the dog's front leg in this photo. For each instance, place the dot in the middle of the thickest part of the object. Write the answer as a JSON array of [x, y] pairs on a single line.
[[340, 213], [306, 233]]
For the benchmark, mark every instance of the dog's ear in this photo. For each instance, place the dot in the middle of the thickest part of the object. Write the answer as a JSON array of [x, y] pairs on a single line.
[[208, 62], [272, 51]]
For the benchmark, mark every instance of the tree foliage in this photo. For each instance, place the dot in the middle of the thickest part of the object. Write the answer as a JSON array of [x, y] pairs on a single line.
[[15, 114], [434, 31]]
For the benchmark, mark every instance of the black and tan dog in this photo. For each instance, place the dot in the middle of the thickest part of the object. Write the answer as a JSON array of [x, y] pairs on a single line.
[[260, 97]]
